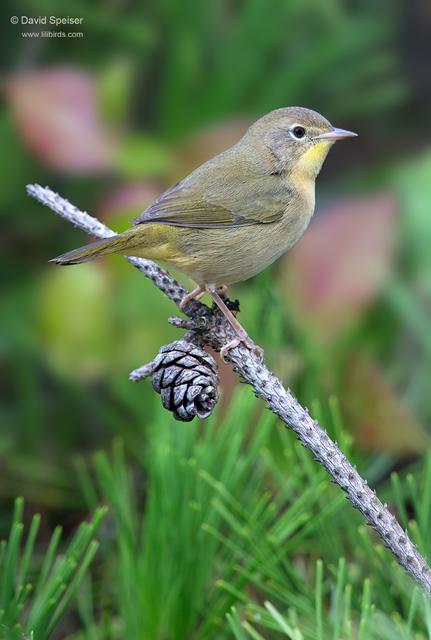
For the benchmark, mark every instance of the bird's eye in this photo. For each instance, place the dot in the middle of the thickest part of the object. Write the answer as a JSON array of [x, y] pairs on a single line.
[[297, 132]]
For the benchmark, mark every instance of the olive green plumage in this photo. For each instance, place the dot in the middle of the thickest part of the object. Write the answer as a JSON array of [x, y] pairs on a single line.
[[238, 212]]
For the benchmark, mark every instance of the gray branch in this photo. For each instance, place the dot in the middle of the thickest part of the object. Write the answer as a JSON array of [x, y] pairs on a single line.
[[210, 327]]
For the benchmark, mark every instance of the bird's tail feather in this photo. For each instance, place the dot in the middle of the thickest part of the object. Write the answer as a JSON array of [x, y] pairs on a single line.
[[102, 247], [149, 241]]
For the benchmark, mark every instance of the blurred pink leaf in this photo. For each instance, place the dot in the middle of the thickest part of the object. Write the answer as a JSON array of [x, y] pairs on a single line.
[[57, 115], [338, 268], [128, 199], [379, 419]]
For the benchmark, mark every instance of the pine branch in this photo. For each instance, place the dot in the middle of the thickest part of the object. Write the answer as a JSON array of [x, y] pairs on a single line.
[[208, 326]]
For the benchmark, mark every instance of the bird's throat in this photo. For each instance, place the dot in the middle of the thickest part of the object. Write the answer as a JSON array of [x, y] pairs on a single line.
[[309, 165]]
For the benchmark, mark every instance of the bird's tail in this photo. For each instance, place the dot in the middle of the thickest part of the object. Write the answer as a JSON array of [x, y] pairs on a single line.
[[90, 251], [125, 243], [149, 241]]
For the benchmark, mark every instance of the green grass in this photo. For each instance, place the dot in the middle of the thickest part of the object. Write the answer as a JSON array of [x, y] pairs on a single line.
[[228, 529], [36, 592], [221, 529]]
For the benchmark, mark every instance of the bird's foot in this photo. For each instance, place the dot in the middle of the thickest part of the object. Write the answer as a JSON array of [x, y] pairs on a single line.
[[192, 295], [228, 309], [241, 337]]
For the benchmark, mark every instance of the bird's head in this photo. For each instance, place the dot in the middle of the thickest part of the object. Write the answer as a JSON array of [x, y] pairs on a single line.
[[298, 138]]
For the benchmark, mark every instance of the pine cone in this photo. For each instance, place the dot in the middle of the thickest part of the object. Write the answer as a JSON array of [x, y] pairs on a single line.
[[187, 380]]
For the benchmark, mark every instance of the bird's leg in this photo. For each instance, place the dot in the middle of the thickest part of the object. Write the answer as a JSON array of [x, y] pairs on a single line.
[[193, 295], [241, 334]]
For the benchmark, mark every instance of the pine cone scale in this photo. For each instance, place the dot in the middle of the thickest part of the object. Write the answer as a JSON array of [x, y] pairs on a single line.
[[166, 397], [179, 394], [170, 374], [186, 375]]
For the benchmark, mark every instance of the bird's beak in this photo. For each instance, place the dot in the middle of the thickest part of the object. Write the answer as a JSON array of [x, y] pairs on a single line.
[[336, 134]]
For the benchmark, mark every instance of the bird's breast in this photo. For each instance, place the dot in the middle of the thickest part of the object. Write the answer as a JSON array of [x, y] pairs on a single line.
[[232, 254]]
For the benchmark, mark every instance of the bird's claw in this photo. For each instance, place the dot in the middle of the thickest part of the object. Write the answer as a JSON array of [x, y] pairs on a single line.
[[235, 342], [196, 294]]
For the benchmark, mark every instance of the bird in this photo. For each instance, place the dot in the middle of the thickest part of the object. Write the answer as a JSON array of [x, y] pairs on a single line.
[[235, 214]]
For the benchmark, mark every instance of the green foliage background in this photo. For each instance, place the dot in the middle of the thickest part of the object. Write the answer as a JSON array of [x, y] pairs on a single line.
[[226, 529]]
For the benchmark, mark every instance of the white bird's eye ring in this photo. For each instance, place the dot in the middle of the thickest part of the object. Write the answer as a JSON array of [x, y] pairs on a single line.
[[297, 131]]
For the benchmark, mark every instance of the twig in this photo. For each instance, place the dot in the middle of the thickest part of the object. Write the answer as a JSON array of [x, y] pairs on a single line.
[[215, 331]]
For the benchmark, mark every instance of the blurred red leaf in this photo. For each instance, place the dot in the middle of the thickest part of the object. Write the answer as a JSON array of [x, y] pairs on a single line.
[[338, 267], [379, 419], [57, 115]]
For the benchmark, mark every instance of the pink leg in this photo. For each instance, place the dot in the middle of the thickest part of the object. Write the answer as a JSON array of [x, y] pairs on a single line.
[[193, 295], [241, 334]]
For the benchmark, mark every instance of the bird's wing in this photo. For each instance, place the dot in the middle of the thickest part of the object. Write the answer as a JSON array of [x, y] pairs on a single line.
[[227, 191], [189, 206]]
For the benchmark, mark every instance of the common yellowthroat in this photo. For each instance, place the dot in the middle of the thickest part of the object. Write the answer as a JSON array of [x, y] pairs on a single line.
[[235, 214]]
